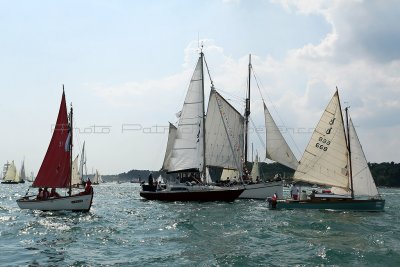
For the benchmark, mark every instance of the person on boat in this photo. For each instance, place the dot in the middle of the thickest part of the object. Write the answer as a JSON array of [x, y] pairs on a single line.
[[294, 192], [88, 187], [40, 194], [151, 179], [54, 194], [258, 179], [45, 193], [159, 186], [273, 200]]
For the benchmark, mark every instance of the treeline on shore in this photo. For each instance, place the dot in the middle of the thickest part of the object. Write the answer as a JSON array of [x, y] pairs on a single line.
[[385, 173]]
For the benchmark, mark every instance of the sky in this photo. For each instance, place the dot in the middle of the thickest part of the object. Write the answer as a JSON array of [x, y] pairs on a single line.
[[126, 66]]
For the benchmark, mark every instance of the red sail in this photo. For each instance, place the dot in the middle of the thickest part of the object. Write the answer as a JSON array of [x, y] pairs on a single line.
[[56, 166]]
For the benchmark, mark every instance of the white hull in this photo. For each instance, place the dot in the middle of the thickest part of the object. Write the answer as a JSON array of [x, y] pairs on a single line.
[[263, 190], [72, 203]]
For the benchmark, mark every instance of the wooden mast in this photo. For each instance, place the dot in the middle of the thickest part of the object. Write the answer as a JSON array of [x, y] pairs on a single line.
[[70, 148], [204, 119], [349, 150], [247, 114]]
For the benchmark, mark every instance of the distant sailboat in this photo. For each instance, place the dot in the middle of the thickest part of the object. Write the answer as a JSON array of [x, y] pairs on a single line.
[[22, 176], [186, 153], [10, 174], [335, 159], [56, 170], [97, 178], [82, 165]]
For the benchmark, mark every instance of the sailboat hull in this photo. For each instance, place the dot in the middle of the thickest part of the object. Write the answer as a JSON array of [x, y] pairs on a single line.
[[68, 203], [188, 194], [262, 190], [331, 204], [9, 182]]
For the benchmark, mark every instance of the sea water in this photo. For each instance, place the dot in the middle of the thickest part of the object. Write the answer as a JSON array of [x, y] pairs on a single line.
[[122, 229]]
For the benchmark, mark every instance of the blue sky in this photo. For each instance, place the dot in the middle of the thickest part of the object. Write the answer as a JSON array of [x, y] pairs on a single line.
[[126, 66]]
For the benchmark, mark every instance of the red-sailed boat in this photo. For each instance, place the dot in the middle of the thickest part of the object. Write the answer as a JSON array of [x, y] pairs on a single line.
[[55, 171]]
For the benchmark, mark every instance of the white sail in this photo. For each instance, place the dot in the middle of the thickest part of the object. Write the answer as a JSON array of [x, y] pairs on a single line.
[[233, 175], [224, 134], [97, 178], [255, 171], [22, 176], [363, 181], [170, 144], [325, 159], [11, 174], [82, 162], [276, 147], [187, 151], [75, 178]]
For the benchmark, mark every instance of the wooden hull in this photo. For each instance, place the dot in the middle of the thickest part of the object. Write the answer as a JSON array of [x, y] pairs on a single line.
[[229, 195], [331, 204], [262, 190], [69, 203]]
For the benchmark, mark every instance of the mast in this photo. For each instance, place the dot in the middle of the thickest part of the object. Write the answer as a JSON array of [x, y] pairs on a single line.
[[204, 118], [246, 115], [70, 148], [348, 148]]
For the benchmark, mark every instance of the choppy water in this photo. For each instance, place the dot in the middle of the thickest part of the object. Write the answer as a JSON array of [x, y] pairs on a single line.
[[123, 230]]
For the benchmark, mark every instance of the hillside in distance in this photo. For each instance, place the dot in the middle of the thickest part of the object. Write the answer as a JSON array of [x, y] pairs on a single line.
[[385, 173]]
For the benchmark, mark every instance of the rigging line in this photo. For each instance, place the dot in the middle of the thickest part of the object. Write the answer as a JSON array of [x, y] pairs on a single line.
[[208, 71], [228, 133], [258, 134], [273, 106]]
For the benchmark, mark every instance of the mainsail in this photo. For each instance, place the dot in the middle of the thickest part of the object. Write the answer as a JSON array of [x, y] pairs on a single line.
[[55, 170], [224, 134], [276, 147], [75, 179], [363, 181], [325, 160], [187, 151], [170, 144]]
